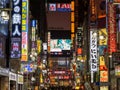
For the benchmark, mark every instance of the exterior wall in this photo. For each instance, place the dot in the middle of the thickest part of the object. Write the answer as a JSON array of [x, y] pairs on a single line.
[[4, 83]]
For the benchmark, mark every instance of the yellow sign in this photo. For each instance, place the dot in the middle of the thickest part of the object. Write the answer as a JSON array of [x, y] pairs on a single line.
[[72, 5], [72, 17], [102, 61], [38, 46], [103, 37], [72, 27]]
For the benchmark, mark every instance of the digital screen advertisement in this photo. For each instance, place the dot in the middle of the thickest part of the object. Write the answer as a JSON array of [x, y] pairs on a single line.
[[57, 45]]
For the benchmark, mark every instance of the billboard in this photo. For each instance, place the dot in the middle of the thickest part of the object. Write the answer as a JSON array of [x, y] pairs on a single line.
[[57, 45]]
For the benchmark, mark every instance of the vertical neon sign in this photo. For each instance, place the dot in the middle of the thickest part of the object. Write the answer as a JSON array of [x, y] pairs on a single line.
[[24, 30], [16, 30]]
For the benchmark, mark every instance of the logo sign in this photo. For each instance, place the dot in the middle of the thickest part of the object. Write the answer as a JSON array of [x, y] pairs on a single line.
[[60, 7], [64, 7], [112, 46], [52, 7], [16, 18], [2, 48], [15, 48], [93, 50]]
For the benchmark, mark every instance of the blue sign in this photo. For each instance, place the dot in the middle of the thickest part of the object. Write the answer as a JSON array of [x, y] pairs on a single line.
[[34, 23], [28, 68], [16, 18]]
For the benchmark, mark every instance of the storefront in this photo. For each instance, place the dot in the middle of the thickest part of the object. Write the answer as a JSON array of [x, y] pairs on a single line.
[[20, 82], [4, 79], [12, 81]]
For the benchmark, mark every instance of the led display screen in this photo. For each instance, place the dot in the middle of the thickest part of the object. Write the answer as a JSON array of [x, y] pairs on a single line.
[[57, 45]]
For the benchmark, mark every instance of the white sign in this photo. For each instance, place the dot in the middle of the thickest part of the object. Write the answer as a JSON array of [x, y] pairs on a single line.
[[12, 76], [93, 50]]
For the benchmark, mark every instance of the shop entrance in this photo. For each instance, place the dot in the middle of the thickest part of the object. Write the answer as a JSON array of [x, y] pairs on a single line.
[[12, 85]]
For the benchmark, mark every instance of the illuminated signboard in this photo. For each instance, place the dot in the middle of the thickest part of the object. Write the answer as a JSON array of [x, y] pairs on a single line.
[[33, 29], [64, 7], [16, 18], [15, 48], [93, 50], [24, 30], [24, 46], [60, 7], [103, 76], [112, 46], [27, 67], [16, 29]]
